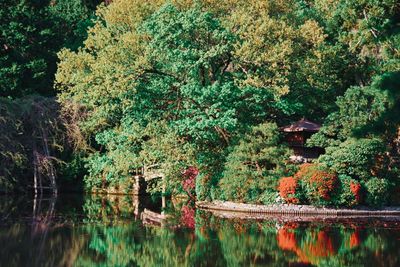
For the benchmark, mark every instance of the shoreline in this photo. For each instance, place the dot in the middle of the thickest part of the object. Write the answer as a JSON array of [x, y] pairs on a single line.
[[295, 210]]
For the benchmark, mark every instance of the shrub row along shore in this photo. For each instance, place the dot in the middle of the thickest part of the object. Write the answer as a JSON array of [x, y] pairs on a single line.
[[289, 209]]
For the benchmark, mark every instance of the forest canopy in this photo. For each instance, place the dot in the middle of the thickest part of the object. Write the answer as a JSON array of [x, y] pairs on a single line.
[[208, 84]]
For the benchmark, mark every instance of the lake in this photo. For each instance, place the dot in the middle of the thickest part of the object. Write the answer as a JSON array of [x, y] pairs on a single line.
[[76, 230]]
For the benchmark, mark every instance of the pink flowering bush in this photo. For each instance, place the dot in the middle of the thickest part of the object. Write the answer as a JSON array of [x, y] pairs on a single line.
[[189, 180]]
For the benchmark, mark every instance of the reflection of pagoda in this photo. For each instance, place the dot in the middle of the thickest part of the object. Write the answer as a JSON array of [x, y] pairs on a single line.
[[296, 135]]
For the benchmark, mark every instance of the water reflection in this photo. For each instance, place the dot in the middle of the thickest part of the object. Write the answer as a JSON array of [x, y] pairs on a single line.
[[123, 231]]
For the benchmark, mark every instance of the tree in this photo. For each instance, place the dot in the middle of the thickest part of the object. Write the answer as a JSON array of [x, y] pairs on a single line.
[[29, 43], [32, 32], [172, 67], [255, 165], [368, 30], [31, 139]]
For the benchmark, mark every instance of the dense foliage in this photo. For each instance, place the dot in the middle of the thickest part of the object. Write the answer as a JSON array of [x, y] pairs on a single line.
[[33, 138], [206, 85], [32, 32], [255, 165]]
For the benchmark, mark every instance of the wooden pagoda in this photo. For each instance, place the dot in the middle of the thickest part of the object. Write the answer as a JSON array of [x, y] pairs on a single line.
[[296, 135]]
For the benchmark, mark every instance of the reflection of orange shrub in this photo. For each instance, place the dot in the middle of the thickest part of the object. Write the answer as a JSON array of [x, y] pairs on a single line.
[[312, 250], [286, 239], [354, 240], [323, 246], [239, 227], [318, 247], [291, 225], [287, 189]]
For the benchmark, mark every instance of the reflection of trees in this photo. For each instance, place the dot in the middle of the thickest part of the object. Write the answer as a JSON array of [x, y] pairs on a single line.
[[110, 237], [222, 242], [109, 246], [41, 224], [110, 208], [243, 243], [136, 245], [41, 242], [132, 243]]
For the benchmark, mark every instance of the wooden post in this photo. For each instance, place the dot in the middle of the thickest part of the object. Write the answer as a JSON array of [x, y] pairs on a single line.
[[164, 189]]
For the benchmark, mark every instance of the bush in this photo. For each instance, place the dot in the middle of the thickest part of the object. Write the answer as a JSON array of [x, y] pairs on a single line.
[[354, 157], [305, 170], [350, 193], [203, 185], [318, 183], [377, 192], [288, 187]]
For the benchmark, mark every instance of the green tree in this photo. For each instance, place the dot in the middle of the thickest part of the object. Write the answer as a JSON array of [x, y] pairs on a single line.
[[32, 32], [172, 67], [367, 28], [29, 42], [255, 165]]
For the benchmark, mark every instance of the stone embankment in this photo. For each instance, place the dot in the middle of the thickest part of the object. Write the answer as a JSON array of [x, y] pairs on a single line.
[[296, 210]]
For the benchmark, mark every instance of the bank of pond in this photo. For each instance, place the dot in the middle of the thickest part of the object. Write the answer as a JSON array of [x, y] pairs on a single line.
[[101, 230]]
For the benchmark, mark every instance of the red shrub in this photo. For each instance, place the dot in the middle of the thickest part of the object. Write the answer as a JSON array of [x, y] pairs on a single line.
[[355, 188], [319, 184], [324, 183], [287, 189]]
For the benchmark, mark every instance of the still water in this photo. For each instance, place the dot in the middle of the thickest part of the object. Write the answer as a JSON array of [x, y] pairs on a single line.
[[123, 231]]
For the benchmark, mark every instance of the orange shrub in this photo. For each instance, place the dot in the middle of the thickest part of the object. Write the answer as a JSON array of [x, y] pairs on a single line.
[[355, 188], [287, 189], [324, 183], [319, 184], [313, 182]]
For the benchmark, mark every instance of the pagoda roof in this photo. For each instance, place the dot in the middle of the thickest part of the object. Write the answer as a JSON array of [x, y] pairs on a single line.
[[302, 125]]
